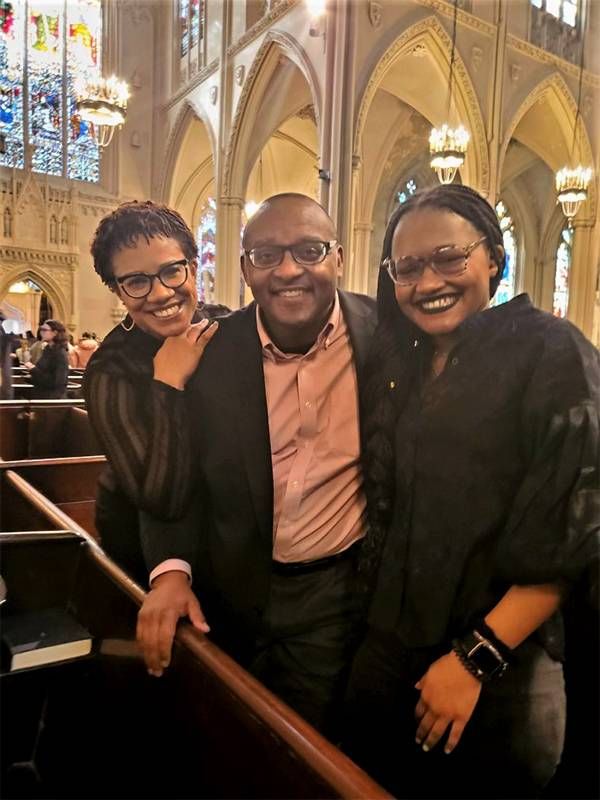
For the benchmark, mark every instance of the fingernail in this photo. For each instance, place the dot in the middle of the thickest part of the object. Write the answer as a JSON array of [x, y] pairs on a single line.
[[155, 673], [425, 748], [418, 741], [164, 664], [447, 750]]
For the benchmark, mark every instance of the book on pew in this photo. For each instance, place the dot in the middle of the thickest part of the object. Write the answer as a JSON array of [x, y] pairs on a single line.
[[46, 636]]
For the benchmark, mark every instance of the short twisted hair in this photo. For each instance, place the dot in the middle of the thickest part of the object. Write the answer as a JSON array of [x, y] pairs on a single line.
[[132, 221]]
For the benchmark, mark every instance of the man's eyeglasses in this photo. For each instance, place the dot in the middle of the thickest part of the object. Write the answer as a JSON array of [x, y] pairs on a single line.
[[447, 261], [306, 253], [139, 284]]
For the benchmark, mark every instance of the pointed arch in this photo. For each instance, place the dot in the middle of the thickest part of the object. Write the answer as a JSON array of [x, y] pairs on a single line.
[[243, 145], [554, 93], [188, 117], [429, 39], [54, 291]]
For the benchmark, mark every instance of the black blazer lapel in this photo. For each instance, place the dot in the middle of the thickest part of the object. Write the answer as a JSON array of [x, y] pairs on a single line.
[[361, 319], [252, 421]]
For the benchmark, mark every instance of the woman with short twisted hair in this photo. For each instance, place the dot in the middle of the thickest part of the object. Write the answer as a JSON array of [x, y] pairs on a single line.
[[482, 477]]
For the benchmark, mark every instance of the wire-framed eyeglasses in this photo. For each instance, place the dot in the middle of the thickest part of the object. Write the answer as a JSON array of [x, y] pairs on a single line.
[[139, 284], [447, 261], [308, 253]]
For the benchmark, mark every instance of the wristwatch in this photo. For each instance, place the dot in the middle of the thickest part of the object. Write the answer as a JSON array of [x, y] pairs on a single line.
[[482, 658]]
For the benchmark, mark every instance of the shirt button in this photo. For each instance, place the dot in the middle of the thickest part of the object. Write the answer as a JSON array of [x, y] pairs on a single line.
[[308, 404], [454, 361]]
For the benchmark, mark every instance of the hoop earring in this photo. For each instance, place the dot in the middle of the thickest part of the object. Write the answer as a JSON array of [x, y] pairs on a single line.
[[125, 328]]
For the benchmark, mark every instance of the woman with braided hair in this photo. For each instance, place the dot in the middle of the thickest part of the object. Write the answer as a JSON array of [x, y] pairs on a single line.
[[481, 439]]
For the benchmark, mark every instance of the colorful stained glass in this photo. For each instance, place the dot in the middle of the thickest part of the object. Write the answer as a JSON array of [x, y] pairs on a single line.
[[184, 10], [206, 237], [45, 44], [195, 21], [12, 19], [507, 286], [410, 187], [560, 302], [84, 34]]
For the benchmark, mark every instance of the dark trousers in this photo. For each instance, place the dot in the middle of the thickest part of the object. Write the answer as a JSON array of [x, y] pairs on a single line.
[[310, 633], [510, 747]]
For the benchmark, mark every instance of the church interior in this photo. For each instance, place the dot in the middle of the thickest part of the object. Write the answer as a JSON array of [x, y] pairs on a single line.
[[210, 107]]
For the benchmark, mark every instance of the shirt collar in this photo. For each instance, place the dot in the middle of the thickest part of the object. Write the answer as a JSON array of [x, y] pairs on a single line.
[[324, 339]]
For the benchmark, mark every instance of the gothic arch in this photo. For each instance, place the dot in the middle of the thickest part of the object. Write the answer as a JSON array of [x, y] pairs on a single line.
[[429, 38], [188, 117], [56, 295], [554, 151], [243, 139]]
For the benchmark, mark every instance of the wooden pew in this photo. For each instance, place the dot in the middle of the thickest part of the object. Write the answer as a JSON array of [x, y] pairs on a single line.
[[101, 727], [45, 429], [62, 491]]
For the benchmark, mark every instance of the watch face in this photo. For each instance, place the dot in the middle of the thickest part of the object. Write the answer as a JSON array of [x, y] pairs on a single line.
[[485, 659]]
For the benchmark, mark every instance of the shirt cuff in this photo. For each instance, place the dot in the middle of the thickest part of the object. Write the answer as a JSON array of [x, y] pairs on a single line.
[[171, 565]]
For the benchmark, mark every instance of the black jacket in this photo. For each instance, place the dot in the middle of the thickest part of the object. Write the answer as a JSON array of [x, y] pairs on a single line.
[[231, 541], [51, 373]]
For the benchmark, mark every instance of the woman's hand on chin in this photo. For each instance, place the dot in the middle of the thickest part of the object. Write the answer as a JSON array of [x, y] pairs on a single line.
[[179, 356]]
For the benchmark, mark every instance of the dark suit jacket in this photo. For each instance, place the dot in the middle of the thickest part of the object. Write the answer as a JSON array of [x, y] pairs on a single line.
[[228, 535]]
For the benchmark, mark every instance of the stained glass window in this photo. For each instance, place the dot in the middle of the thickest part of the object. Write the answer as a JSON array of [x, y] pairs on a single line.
[[12, 20], [565, 10], [206, 238], [507, 286], [410, 187], [191, 14], [60, 42], [561, 275]]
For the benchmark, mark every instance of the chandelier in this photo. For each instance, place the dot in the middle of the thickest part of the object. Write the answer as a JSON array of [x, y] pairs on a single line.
[[572, 181], [447, 147], [571, 188], [103, 103], [447, 144]]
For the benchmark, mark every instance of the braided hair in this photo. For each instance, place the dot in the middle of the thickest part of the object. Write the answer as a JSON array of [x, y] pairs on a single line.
[[395, 359]]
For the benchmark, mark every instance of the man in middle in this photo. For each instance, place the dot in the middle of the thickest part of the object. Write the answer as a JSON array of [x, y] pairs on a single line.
[[274, 534]]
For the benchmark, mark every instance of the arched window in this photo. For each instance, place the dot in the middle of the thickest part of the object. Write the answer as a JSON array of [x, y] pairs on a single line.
[[191, 32], [507, 287], [64, 231], [560, 301], [565, 10], [410, 187], [61, 41], [206, 238]]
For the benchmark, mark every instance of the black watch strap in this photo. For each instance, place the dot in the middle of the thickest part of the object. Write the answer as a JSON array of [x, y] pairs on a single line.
[[479, 656]]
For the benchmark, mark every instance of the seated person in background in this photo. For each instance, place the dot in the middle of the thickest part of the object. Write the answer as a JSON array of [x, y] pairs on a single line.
[[273, 411], [50, 375], [84, 350], [482, 454], [36, 348], [134, 383]]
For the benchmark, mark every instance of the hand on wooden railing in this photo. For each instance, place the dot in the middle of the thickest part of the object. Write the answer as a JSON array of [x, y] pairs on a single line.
[[170, 599]]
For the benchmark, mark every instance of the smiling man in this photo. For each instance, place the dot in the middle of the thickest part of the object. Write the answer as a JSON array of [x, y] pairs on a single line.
[[281, 511]]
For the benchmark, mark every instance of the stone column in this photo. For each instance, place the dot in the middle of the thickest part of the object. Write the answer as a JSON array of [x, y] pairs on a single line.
[[583, 278], [227, 268]]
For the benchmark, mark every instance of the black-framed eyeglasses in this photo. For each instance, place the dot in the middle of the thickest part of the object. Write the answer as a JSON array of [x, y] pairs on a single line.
[[308, 253], [139, 284], [447, 261]]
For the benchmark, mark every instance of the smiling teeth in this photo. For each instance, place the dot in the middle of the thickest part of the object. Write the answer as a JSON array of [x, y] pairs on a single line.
[[441, 302], [167, 312], [291, 292]]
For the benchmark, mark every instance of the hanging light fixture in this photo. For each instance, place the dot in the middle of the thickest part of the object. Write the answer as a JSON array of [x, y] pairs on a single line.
[[572, 181], [448, 145], [103, 103]]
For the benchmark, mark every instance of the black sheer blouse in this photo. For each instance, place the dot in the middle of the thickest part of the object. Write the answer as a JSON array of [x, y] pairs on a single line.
[[497, 474], [142, 423]]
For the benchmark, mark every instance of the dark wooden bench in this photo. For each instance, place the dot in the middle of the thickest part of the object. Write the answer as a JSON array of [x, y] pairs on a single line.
[[45, 429], [100, 727]]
